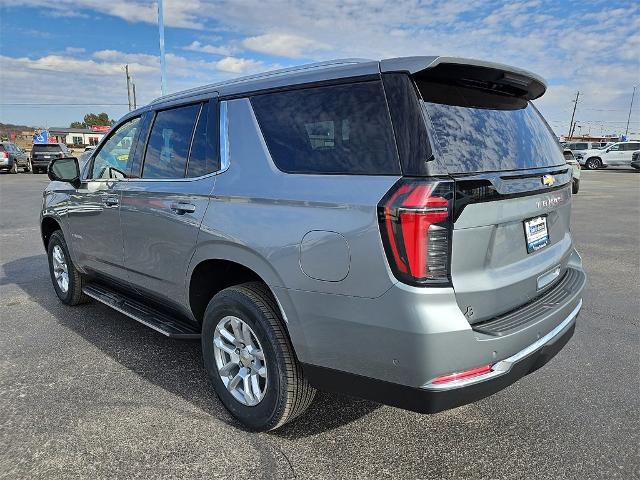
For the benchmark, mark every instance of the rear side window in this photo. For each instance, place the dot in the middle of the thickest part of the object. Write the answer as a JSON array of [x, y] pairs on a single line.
[[169, 142], [342, 129], [204, 158], [477, 131], [631, 146]]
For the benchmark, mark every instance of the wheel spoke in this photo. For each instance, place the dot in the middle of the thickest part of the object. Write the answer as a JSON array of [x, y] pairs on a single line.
[[224, 371], [235, 326], [234, 382], [227, 335], [226, 348], [246, 388], [246, 335], [255, 385]]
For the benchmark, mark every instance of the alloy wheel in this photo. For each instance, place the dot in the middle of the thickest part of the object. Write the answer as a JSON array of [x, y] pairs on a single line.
[[240, 360], [60, 268]]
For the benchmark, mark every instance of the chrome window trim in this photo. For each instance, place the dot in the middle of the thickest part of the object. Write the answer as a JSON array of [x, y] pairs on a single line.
[[504, 366]]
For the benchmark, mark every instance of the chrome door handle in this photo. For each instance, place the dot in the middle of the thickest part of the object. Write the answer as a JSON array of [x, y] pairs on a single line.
[[111, 201], [181, 208]]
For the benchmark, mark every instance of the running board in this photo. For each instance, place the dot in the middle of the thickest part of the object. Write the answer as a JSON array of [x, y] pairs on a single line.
[[151, 317]]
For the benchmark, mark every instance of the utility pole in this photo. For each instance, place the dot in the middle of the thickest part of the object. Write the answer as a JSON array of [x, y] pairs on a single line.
[[163, 67], [575, 104], [630, 106], [126, 71], [135, 105]]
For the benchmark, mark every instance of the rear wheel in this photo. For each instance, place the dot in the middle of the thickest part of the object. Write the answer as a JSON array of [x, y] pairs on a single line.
[[250, 359], [14, 167], [67, 280], [593, 163], [27, 167]]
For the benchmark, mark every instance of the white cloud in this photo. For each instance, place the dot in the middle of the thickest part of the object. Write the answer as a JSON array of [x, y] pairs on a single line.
[[283, 45], [238, 65], [196, 46]]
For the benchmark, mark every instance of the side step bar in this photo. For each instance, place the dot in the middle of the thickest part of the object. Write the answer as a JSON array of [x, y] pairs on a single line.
[[142, 313]]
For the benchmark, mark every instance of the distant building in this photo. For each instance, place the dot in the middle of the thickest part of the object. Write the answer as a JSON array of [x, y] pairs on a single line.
[[80, 137]]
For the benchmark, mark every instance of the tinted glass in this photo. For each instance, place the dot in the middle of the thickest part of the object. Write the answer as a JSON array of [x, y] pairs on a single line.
[[169, 143], [476, 132], [43, 147], [631, 146], [113, 159], [343, 129], [203, 158]]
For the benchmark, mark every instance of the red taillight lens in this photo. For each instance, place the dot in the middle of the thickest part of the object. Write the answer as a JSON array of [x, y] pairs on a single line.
[[474, 372], [4, 154], [415, 223]]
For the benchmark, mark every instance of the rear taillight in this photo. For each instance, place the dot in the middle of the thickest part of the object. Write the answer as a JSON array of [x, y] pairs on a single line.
[[4, 154], [415, 223]]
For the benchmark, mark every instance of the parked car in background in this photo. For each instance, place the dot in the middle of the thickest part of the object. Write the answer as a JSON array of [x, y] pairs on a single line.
[[575, 167], [635, 160], [616, 155], [13, 158], [397, 230], [43, 153]]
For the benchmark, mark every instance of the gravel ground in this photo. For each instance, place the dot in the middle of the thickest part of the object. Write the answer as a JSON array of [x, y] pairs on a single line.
[[88, 393]]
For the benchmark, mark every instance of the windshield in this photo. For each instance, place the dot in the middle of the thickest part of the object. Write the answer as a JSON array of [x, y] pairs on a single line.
[[477, 131]]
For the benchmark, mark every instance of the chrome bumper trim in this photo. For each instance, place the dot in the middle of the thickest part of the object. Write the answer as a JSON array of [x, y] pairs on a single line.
[[503, 366]]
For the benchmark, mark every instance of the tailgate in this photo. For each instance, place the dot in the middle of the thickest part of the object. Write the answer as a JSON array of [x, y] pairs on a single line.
[[494, 268]]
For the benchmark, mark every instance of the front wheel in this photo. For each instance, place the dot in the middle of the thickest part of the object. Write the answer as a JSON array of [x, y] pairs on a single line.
[[250, 359], [593, 163], [67, 280]]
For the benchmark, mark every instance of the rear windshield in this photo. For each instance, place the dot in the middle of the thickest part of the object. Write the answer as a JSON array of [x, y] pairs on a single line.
[[477, 131], [46, 148]]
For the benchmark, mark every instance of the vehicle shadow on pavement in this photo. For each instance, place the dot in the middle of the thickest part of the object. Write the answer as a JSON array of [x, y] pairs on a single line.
[[173, 365]]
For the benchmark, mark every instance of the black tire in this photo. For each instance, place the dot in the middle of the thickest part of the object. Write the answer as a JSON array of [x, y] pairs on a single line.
[[74, 294], [575, 187], [14, 167], [288, 394], [593, 163], [27, 167]]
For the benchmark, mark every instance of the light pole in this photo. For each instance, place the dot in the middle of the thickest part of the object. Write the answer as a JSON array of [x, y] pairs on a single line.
[[163, 69], [630, 107]]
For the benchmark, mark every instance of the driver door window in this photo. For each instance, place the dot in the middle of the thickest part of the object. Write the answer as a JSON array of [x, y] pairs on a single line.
[[114, 158]]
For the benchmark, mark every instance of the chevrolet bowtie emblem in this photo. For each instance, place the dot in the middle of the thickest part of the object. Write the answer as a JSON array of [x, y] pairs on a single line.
[[548, 180]]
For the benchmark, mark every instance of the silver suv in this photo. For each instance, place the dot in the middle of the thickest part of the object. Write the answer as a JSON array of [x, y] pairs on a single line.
[[396, 230]]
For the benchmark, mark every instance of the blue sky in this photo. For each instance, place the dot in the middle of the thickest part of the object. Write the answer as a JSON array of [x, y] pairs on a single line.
[[56, 54]]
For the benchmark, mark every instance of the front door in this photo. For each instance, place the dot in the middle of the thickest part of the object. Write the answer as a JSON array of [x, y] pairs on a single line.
[[161, 211], [94, 213]]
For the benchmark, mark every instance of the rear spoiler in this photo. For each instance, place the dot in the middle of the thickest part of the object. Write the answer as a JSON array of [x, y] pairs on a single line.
[[477, 74]]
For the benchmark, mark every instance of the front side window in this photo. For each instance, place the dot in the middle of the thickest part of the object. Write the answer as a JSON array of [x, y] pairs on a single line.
[[112, 161], [169, 143], [341, 129]]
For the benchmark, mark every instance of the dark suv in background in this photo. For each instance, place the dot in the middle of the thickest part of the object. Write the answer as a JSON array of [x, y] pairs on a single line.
[[13, 158], [396, 230], [43, 153]]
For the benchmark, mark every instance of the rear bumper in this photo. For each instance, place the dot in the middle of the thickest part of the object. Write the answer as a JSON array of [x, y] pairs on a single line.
[[434, 398], [391, 348]]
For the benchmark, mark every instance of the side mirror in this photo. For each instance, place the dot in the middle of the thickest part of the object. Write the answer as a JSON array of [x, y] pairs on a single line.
[[65, 169]]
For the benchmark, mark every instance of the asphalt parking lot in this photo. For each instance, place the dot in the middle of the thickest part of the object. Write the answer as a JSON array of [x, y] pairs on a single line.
[[86, 392]]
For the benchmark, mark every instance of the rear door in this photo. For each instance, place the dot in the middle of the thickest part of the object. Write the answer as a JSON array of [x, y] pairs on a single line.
[[627, 152], [163, 206], [511, 238]]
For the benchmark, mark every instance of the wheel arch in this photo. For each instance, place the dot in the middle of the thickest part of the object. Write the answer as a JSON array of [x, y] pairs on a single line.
[[47, 227]]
